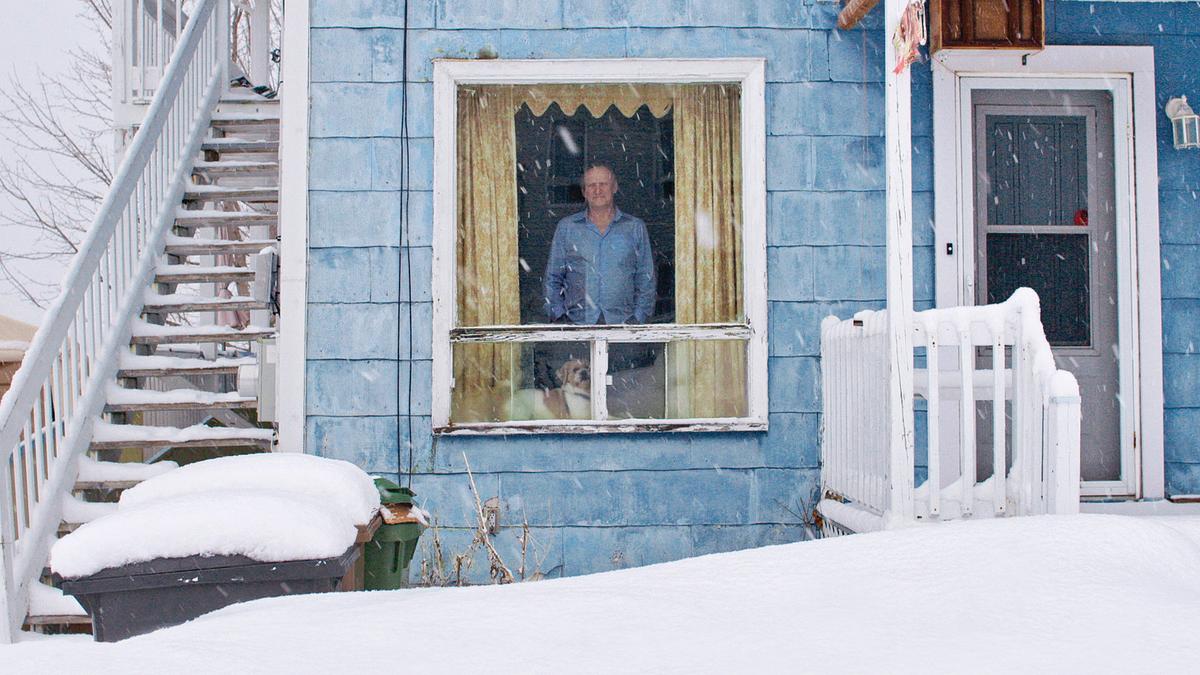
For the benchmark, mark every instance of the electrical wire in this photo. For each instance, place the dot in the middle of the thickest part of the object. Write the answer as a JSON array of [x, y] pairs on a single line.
[[404, 272]]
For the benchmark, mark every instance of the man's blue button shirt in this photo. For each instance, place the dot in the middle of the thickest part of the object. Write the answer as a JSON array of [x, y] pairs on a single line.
[[600, 278]]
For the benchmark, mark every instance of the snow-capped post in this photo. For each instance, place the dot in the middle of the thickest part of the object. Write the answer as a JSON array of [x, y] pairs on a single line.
[[900, 47]]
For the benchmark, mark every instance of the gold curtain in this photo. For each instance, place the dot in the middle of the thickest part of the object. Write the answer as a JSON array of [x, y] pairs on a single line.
[[487, 288], [707, 378]]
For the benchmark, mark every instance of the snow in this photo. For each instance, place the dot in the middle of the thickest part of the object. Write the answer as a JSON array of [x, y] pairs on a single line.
[[142, 328], [103, 431], [14, 345], [49, 601], [168, 270], [91, 470], [152, 298], [76, 510], [179, 240], [129, 361], [1054, 594], [266, 526], [339, 486], [118, 395]]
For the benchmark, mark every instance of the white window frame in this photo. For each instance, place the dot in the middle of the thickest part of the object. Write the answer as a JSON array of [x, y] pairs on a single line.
[[448, 75], [1127, 72]]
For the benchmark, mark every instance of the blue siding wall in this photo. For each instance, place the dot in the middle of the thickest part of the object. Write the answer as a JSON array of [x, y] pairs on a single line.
[[597, 502], [593, 502]]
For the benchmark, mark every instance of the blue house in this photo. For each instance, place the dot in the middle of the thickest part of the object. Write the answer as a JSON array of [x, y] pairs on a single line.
[[382, 201], [564, 267]]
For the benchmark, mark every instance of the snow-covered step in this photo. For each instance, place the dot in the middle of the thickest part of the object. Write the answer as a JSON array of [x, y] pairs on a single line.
[[187, 274], [120, 399], [97, 475], [107, 436], [236, 169], [77, 512], [136, 365], [246, 96], [219, 193], [153, 334], [186, 246], [246, 120], [189, 219], [49, 606], [240, 146], [183, 302]]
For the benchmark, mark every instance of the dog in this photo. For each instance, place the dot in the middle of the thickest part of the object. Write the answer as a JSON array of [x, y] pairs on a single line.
[[570, 401]]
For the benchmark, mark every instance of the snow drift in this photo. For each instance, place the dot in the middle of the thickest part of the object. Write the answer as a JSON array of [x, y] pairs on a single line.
[[1062, 594]]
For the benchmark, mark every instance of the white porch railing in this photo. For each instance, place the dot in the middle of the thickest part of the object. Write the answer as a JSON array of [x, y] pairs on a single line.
[[45, 418], [145, 33], [1035, 464]]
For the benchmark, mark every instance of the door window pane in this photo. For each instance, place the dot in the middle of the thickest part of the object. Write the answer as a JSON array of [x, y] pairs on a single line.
[[1037, 170], [1054, 265]]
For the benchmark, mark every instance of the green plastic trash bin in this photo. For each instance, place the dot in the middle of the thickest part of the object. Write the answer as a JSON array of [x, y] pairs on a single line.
[[388, 554]]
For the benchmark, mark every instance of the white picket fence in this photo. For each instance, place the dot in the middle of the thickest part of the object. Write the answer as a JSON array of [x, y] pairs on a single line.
[[981, 362], [46, 417]]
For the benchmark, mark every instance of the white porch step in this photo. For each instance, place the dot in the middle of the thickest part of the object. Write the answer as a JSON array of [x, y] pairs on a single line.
[[145, 333], [201, 334], [135, 400], [189, 274], [235, 168], [243, 96], [136, 365], [240, 146], [76, 512], [222, 193], [188, 246], [112, 436], [211, 218], [97, 475], [178, 304], [256, 118]]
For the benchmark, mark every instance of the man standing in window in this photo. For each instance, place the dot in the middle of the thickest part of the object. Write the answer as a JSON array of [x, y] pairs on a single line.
[[601, 269]]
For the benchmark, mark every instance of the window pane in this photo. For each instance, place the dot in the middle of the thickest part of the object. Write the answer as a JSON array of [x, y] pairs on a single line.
[[1037, 169], [505, 381], [689, 379], [659, 238], [1054, 265]]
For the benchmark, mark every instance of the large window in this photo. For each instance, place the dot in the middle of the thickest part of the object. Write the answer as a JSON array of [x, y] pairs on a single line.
[[599, 246]]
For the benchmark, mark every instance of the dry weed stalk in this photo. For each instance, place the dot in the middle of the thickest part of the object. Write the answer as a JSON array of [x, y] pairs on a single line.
[[497, 569]]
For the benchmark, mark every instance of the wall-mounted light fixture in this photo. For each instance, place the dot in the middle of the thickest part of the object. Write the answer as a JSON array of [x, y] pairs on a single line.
[[1185, 124]]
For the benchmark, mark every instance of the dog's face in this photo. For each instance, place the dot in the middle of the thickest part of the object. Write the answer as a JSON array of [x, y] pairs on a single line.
[[574, 374]]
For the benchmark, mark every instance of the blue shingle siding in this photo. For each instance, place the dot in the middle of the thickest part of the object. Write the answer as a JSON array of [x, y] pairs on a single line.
[[599, 502]]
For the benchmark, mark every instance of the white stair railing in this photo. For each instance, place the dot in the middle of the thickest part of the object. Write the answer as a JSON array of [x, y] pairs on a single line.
[[45, 418], [1035, 464]]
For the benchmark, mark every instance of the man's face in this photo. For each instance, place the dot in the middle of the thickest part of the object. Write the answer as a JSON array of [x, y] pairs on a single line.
[[599, 186]]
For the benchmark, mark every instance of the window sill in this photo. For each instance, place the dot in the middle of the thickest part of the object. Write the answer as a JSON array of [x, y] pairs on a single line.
[[624, 426]]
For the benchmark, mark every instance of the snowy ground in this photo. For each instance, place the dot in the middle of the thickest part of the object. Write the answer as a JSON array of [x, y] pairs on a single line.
[[1047, 594]]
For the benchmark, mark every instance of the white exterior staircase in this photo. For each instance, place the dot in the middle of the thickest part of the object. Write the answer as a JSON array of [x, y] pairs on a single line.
[[170, 295]]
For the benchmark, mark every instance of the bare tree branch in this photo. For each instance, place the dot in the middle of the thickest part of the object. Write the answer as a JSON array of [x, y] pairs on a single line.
[[61, 127]]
